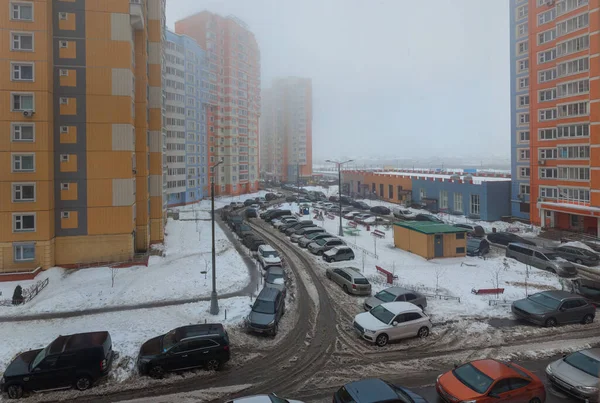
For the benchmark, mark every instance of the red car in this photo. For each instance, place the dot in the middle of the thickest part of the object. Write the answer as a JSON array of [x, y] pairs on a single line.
[[487, 381]]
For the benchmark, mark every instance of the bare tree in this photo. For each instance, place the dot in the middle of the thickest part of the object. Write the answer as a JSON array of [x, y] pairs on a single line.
[[113, 275], [495, 275], [439, 274]]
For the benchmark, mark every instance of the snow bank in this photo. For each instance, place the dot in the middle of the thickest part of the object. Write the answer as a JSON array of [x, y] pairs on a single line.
[[577, 244]]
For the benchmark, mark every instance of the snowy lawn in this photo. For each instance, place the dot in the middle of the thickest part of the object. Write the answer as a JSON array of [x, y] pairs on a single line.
[[178, 275]]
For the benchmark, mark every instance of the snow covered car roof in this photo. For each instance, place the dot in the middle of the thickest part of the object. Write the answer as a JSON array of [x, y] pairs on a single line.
[[400, 307]]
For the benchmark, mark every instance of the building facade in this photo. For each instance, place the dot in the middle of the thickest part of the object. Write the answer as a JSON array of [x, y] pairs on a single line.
[[186, 103], [233, 88], [564, 111], [286, 130], [519, 106], [81, 165]]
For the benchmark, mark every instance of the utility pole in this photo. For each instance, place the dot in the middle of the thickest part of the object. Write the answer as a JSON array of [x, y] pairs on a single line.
[[339, 167], [214, 302]]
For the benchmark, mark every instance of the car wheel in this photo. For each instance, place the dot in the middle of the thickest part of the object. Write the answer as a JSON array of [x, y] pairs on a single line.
[[328, 275], [352, 258], [587, 319], [275, 330], [14, 391], [550, 322], [83, 382], [382, 340], [423, 332], [578, 261], [213, 365], [535, 400], [156, 372], [320, 253], [345, 289]]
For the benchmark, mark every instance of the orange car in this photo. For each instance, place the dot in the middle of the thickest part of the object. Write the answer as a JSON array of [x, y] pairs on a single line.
[[484, 381]]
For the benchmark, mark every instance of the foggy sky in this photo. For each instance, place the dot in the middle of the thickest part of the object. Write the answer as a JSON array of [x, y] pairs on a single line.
[[390, 77]]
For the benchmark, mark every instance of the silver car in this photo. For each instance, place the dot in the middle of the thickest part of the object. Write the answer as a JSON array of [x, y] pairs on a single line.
[[315, 236], [305, 231], [275, 278], [577, 374], [324, 244], [350, 279], [393, 294], [541, 258]]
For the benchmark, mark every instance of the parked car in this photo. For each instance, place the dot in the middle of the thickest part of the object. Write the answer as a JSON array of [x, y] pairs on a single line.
[[489, 381], [193, 346], [270, 196], [577, 374], [267, 310], [338, 254], [351, 215], [268, 256], [270, 398], [551, 308], [301, 224], [251, 212], [541, 258], [334, 199], [291, 199], [234, 219], [345, 210], [322, 245], [360, 218], [303, 200], [381, 210], [361, 205], [403, 213], [392, 321], [296, 236], [312, 237], [375, 390], [242, 229], [284, 220], [393, 294], [255, 244], [588, 289], [577, 255], [249, 202], [346, 200], [275, 278], [77, 360], [350, 279], [504, 238], [477, 247], [236, 205], [428, 217], [276, 214], [260, 200], [474, 230]]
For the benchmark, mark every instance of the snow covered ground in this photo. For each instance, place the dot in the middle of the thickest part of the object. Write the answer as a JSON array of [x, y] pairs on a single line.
[[178, 275]]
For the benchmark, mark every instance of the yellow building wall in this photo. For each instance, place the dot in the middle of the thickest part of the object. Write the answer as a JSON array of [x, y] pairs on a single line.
[[93, 248], [44, 257], [110, 220]]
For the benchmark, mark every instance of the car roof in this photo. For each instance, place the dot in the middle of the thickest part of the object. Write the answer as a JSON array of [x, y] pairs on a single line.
[[275, 269], [77, 341], [592, 352], [353, 271], [400, 307], [535, 248], [268, 294], [559, 294], [371, 390], [267, 248], [495, 369], [400, 291], [204, 329]]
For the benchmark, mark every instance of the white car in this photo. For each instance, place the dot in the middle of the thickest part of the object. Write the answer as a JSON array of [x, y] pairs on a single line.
[[284, 221], [352, 214], [392, 321], [267, 256], [272, 398]]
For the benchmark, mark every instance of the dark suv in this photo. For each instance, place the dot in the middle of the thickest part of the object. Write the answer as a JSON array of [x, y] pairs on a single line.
[[78, 361], [205, 345], [267, 310]]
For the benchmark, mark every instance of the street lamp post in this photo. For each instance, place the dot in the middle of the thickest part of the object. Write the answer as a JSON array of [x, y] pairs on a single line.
[[214, 302], [339, 167]]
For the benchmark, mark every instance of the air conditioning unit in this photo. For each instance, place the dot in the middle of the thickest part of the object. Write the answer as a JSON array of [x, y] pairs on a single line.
[[64, 129], [542, 162], [28, 114], [64, 214]]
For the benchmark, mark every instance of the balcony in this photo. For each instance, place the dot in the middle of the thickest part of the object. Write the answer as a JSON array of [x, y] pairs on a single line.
[[136, 14]]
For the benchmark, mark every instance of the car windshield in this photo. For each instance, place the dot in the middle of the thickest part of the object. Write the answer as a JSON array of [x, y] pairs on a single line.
[[544, 300], [551, 256], [269, 253], [473, 378], [405, 211], [272, 278], [361, 281], [169, 340], [321, 241], [585, 363], [382, 314], [385, 296], [261, 306], [41, 355], [313, 235]]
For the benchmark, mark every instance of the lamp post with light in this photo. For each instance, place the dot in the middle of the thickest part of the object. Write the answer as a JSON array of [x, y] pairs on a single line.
[[214, 302]]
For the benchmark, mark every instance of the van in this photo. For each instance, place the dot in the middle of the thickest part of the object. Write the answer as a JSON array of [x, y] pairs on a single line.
[[541, 258]]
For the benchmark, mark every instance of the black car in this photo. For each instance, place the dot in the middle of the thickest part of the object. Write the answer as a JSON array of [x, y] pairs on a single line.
[[267, 310], [381, 210], [589, 289], [347, 200], [577, 255], [234, 219], [375, 390], [334, 199], [270, 196], [251, 213], [477, 247], [504, 238], [242, 229], [297, 226], [474, 230], [291, 199], [276, 214], [249, 202], [428, 217], [254, 244], [248, 239], [77, 360], [205, 345]]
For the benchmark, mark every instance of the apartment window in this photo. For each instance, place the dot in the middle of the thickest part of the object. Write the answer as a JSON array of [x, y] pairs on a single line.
[[547, 114], [576, 130], [548, 173], [523, 118], [546, 16], [22, 102], [524, 189], [547, 95], [572, 24], [523, 83], [546, 56], [522, 11], [475, 206], [443, 199], [422, 192], [574, 194], [22, 71], [547, 134], [22, 11], [522, 65], [571, 67], [524, 172], [523, 100], [572, 109], [22, 41], [524, 154], [548, 153], [24, 192], [573, 45], [24, 252], [565, 6], [574, 173], [548, 192], [24, 222], [522, 48], [546, 75], [522, 30], [24, 132], [573, 88], [458, 202], [574, 152], [546, 36], [23, 162]]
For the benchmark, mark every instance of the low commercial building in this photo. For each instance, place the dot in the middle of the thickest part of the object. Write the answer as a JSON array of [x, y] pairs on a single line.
[[430, 240]]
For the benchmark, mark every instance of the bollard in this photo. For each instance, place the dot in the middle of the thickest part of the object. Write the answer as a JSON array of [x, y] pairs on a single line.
[[205, 321], [225, 314]]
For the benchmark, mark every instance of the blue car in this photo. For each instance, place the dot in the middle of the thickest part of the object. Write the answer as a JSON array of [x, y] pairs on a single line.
[[373, 391]]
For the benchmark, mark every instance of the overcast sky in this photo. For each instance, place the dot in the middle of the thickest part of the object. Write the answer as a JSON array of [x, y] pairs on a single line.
[[390, 77]]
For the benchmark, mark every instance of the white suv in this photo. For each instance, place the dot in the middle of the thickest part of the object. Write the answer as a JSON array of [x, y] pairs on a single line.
[[392, 321], [267, 256]]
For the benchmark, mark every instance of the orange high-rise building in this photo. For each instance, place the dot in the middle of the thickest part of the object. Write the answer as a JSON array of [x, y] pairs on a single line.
[[234, 87], [81, 166]]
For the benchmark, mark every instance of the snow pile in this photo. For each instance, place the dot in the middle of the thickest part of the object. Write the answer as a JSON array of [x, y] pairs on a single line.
[[577, 244]]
